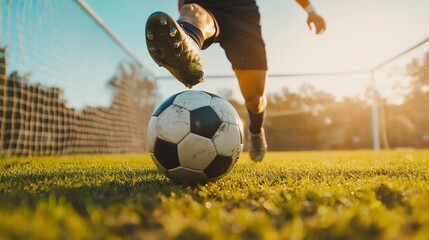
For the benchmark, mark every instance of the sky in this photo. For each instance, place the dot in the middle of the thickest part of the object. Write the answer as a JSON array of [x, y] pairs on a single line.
[[359, 35], [54, 43]]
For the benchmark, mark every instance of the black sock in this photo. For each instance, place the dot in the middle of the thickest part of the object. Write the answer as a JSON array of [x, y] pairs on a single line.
[[193, 32], [256, 121]]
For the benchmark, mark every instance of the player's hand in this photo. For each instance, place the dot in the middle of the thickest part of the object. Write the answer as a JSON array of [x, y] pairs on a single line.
[[318, 22]]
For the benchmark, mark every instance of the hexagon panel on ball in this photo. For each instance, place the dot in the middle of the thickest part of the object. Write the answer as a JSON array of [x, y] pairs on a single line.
[[228, 141], [173, 124], [192, 100], [225, 111], [196, 152]]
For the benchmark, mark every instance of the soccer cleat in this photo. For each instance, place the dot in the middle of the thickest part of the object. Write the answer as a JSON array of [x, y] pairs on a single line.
[[258, 146], [173, 32], [170, 47], [149, 35]]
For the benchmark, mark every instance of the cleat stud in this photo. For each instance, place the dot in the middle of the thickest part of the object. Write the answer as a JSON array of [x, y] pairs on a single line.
[[149, 35], [163, 21], [177, 55], [173, 32], [201, 80], [177, 44], [152, 49]]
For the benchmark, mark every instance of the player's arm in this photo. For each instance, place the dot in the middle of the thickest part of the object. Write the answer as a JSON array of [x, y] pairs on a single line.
[[317, 20]]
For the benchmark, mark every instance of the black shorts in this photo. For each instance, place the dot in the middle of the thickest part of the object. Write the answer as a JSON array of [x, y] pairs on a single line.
[[238, 32]]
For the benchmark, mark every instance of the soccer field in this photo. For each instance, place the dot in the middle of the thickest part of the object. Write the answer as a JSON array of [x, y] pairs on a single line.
[[294, 195]]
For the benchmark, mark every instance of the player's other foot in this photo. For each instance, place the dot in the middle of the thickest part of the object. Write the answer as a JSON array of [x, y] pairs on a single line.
[[172, 48], [258, 146]]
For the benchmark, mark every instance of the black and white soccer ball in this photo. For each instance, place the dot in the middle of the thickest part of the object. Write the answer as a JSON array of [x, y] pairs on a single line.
[[195, 137]]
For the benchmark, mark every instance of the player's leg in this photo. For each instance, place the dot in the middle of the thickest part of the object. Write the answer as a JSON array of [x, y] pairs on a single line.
[[199, 18], [252, 86], [242, 41], [175, 45]]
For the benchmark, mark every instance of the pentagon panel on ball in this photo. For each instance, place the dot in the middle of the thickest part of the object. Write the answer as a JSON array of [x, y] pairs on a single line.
[[194, 137]]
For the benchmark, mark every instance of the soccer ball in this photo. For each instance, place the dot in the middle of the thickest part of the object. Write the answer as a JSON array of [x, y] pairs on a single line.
[[195, 137]]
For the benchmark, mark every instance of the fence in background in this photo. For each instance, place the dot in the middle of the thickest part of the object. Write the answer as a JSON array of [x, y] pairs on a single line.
[[67, 84]]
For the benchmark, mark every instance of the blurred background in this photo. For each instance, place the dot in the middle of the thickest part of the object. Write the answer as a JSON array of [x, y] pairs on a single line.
[[76, 78]]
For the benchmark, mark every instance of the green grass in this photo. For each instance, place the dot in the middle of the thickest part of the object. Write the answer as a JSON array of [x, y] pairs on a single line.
[[311, 195]]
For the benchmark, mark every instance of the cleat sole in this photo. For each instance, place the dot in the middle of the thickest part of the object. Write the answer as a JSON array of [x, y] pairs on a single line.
[[149, 35], [173, 32], [176, 44], [163, 21], [164, 42]]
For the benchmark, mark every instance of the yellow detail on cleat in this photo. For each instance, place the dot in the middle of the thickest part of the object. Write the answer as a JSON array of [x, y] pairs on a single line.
[[173, 32], [177, 44]]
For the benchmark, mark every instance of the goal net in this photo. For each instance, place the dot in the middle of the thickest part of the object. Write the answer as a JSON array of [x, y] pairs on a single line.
[[67, 84]]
